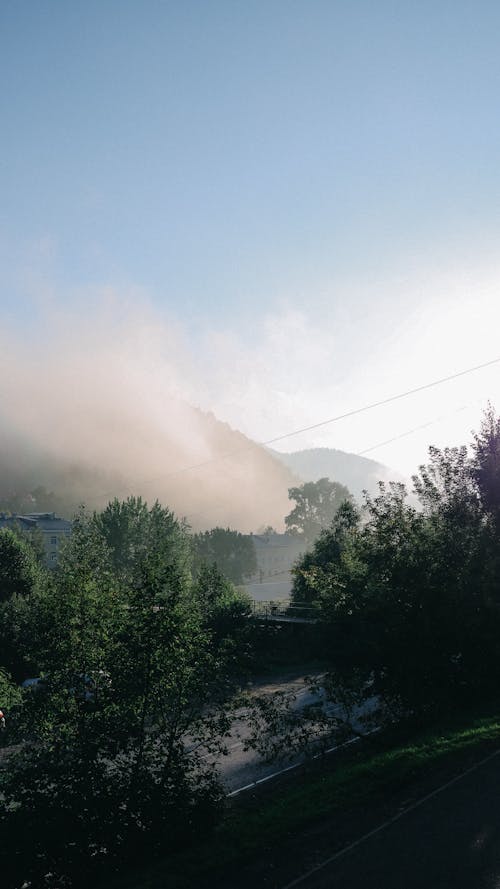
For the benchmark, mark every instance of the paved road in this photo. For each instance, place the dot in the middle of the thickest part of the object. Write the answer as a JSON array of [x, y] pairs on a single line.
[[450, 841], [244, 767]]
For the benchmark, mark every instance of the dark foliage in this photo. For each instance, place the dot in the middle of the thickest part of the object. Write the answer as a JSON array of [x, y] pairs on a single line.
[[409, 597], [316, 505], [233, 553], [111, 755]]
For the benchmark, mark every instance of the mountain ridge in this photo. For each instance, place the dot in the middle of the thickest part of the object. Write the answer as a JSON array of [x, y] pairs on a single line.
[[358, 473], [195, 464]]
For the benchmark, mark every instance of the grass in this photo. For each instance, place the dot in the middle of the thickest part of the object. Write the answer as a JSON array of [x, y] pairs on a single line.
[[357, 778]]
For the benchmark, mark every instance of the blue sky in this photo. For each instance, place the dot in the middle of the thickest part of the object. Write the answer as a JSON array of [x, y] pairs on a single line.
[[329, 170]]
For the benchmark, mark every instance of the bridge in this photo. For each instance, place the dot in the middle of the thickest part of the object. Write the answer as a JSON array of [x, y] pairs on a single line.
[[283, 612]]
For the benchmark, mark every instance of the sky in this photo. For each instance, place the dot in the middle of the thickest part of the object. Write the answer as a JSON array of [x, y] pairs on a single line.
[[305, 195]]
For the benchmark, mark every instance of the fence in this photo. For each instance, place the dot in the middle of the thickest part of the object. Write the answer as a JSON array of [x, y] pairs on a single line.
[[283, 611]]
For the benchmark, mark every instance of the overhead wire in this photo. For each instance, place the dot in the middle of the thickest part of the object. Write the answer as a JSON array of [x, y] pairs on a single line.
[[383, 401], [354, 412], [336, 419], [433, 422]]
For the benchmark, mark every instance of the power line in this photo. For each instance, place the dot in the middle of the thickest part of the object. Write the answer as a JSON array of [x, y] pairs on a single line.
[[387, 441], [352, 413], [375, 447], [374, 404], [367, 407]]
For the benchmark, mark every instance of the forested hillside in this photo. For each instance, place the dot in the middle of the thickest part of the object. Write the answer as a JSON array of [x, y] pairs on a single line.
[[356, 473], [192, 462]]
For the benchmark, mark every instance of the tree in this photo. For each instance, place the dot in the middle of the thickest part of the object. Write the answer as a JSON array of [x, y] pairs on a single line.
[[19, 571], [225, 611], [39, 500], [409, 599], [131, 531], [485, 468], [325, 553], [232, 552], [22, 580], [316, 504], [9, 692], [139, 670]]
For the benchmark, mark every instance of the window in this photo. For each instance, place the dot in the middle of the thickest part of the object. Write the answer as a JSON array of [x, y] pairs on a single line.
[[53, 557], [53, 541]]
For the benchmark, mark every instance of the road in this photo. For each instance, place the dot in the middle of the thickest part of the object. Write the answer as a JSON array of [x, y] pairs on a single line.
[[245, 767], [242, 768], [448, 840]]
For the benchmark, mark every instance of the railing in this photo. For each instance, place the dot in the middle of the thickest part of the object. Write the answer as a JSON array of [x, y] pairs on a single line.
[[284, 611]]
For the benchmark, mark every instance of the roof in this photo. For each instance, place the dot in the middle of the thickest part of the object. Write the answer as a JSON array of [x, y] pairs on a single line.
[[48, 521], [45, 521]]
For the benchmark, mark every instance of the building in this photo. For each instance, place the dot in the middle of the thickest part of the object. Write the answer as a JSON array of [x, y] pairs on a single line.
[[53, 529], [276, 554]]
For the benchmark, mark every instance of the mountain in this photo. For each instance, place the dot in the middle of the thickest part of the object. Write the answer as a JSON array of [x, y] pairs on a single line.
[[357, 473], [97, 406], [189, 460]]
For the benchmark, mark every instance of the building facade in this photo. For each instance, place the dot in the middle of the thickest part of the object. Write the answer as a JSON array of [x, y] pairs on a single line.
[[276, 554], [53, 529]]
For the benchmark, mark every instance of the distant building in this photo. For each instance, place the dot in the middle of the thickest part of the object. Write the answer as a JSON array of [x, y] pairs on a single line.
[[53, 529], [276, 555]]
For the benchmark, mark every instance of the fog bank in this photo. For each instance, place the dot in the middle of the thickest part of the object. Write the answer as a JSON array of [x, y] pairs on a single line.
[[94, 404]]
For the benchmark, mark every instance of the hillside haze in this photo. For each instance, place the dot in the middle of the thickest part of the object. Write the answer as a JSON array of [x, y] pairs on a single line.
[[357, 473], [100, 406], [222, 478]]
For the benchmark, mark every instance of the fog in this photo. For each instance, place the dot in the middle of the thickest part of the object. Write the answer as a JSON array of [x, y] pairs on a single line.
[[95, 403], [103, 394]]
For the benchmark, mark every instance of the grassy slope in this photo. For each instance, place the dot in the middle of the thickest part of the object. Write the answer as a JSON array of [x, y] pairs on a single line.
[[330, 804]]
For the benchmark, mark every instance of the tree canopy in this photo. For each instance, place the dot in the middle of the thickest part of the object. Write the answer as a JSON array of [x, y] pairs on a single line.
[[232, 552], [131, 532], [19, 569], [139, 664], [409, 599], [316, 504]]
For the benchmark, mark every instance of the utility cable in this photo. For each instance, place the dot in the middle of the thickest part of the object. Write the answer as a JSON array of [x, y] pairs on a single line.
[[387, 441], [367, 407], [336, 419], [374, 404]]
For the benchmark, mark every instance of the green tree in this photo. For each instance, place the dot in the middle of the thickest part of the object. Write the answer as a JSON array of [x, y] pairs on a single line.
[[225, 611], [316, 504], [232, 552], [131, 531], [409, 599], [44, 500], [139, 671], [9, 692], [19, 571], [22, 578], [325, 553], [485, 467]]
